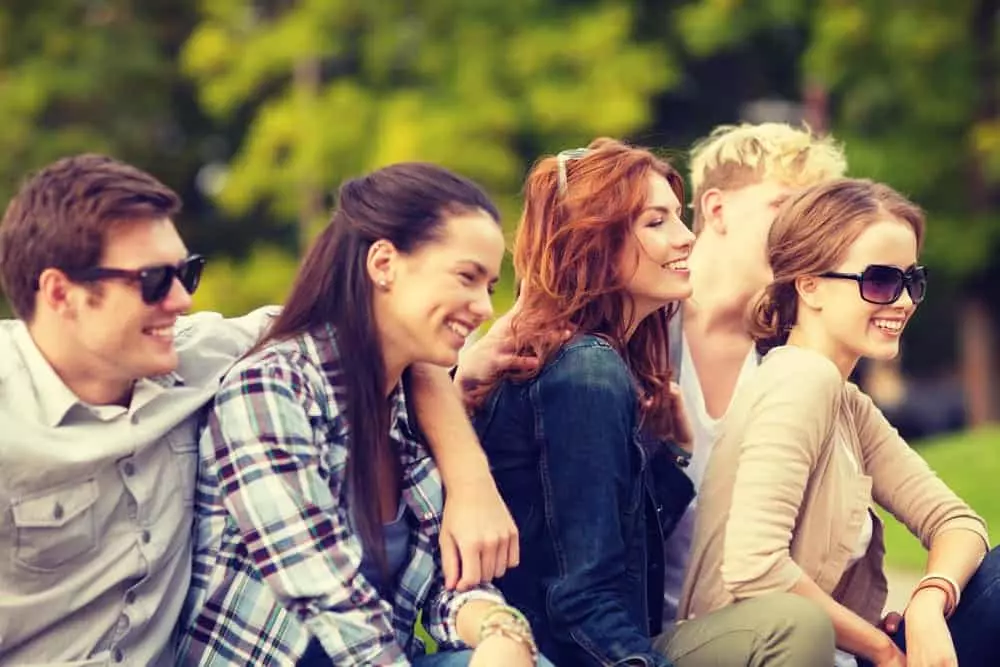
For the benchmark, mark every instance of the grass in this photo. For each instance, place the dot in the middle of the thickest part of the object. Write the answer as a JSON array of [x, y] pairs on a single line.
[[969, 463]]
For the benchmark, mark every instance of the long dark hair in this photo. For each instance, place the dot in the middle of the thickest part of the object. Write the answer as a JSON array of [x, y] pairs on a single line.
[[405, 204]]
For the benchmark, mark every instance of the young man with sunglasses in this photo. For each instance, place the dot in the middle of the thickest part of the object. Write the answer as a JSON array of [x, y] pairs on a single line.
[[102, 384]]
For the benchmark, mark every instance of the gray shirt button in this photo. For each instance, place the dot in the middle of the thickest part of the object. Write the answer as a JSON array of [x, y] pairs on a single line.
[[145, 536], [128, 468], [123, 623], [58, 511], [118, 655]]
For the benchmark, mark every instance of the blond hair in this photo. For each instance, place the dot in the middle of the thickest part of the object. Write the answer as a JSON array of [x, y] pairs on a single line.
[[736, 156], [812, 234]]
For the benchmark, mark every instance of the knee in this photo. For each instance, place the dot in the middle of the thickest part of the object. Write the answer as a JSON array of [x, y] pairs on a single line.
[[802, 630], [991, 564]]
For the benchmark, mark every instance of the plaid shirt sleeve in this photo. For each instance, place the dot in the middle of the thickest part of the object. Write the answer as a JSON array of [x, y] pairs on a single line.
[[442, 607], [266, 428]]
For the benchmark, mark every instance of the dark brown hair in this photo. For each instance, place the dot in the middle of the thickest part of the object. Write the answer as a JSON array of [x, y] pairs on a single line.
[[566, 253], [813, 231], [61, 217], [406, 204]]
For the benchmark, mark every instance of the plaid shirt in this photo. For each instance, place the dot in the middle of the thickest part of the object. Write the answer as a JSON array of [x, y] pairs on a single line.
[[276, 560]]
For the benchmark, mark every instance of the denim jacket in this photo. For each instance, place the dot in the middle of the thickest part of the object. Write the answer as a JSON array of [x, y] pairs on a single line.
[[591, 504]]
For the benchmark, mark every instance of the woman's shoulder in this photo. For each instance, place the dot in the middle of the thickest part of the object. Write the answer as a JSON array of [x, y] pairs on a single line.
[[794, 368], [586, 360], [298, 361]]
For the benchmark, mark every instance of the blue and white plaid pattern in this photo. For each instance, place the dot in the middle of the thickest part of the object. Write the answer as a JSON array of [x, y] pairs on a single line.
[[276, 561]]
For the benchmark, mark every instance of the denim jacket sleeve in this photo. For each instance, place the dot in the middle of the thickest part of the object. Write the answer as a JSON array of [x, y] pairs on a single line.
[[586, 410]]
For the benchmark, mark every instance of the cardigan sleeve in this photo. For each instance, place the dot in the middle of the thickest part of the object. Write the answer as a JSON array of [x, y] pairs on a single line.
[[903, 483], [795, 400]]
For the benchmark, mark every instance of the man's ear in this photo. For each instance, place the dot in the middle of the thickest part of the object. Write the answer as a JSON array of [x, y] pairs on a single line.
[[712, 205], [56, 292]]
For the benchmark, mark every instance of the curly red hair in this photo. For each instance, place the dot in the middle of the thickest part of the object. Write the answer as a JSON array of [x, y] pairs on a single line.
[[566, 255]]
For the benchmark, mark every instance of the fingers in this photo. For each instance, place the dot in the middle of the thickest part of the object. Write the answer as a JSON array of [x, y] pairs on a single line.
[[514, 549], [890, 624], [488, 559], [450, 563], [471, 567], [508, 550], [514, 362], [683, 433]]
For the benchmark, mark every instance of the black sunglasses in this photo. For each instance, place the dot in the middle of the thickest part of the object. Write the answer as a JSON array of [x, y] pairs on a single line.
[[883, 285], [154, 281]]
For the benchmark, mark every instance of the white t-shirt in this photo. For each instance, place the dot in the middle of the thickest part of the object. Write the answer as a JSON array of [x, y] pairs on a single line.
[[843, 658], [705, 431]]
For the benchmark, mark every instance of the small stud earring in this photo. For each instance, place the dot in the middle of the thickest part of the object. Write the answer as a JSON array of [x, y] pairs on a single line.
[[383, 284]]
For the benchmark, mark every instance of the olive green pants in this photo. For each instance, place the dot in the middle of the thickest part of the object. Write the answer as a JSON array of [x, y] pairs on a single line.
[[776, 630]]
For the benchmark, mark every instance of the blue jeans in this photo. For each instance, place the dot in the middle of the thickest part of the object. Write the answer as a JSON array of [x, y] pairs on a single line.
[[973, 626], [457, 659], [316, 657]]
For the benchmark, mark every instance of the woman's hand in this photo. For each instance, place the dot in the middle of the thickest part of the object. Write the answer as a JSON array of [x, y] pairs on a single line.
[[500, 651], [479, 539], [889, 656], [683, 433], [928, 640]]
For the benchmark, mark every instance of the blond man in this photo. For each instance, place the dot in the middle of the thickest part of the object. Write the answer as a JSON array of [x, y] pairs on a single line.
[[740, 174]]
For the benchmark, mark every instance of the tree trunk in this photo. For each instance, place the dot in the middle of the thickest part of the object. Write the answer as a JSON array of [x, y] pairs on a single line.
[[976, 339], [977, 334], [307, 78]]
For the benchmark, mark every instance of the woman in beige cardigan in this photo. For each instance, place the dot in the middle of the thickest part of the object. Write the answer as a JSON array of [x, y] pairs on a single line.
[[804, 454]]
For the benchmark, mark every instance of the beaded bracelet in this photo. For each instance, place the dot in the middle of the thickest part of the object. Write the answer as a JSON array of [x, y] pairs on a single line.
[[508, 622]]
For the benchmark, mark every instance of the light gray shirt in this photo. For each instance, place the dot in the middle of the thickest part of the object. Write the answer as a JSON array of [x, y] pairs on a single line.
[[96, 501]]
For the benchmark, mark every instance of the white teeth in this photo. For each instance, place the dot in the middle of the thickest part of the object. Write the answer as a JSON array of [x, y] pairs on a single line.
[[892, 326], [677, 265], [459, 329], [163, 332]]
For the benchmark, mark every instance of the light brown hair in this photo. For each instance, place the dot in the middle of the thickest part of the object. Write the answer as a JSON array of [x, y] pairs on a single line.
[[812, 233]]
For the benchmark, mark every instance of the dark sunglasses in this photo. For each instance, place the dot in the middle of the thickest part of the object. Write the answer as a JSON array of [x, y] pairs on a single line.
[[154, 281], [883, 285]]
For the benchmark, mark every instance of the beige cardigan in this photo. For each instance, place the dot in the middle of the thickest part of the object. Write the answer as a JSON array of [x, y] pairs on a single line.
[[781, 497]]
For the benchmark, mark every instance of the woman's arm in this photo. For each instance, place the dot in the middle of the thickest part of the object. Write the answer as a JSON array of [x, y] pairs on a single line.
[[479, 538], [586, 407], [854, 634], [953, 533], [797, 401], [904, 484]]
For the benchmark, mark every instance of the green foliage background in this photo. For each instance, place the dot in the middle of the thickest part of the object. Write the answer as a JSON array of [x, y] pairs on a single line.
[[256, 110]]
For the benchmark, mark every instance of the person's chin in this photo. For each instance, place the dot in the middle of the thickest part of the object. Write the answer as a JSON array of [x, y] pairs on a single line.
[[442, 355], [882, 351], [163, 363], [679, 292]]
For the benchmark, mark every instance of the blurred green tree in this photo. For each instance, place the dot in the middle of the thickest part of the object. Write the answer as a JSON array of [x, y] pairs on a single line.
[[102, 76], [336, 88], [911, 87]]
